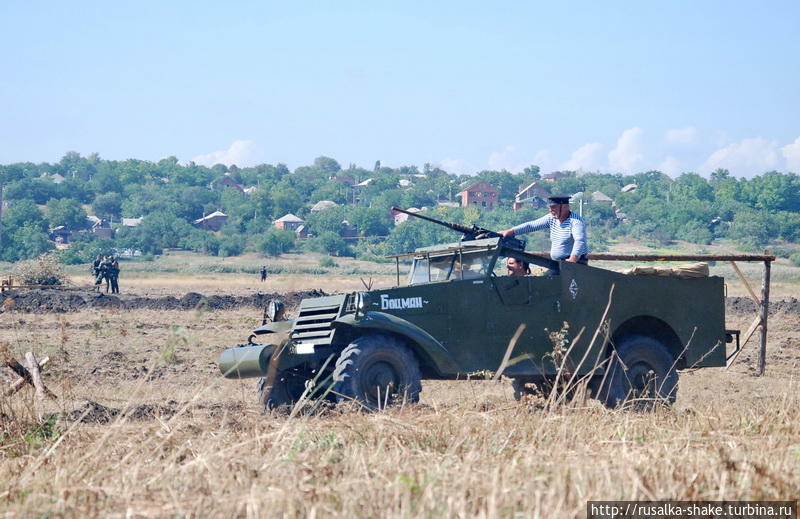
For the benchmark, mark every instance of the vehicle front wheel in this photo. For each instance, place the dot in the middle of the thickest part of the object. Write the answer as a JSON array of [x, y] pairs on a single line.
[[286, 391], [377, 370], [641, 374]]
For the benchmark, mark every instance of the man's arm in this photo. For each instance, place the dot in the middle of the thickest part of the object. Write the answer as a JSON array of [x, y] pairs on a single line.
[[579, 245], [533, 225]]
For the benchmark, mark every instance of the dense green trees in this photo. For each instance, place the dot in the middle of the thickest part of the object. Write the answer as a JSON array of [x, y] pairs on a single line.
[[171, 196], [67, 212]]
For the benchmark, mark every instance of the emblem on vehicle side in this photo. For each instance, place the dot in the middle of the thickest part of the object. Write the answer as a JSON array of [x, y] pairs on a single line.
[[573, 289], [401, 303]]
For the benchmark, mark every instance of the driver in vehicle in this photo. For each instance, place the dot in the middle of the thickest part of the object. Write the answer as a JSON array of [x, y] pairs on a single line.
[[517, 267]]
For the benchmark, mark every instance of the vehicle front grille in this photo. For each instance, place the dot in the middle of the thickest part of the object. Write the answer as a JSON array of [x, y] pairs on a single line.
[[314, 324]]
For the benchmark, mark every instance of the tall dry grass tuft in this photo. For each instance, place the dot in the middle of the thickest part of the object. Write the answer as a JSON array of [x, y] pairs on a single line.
[[450, 460]]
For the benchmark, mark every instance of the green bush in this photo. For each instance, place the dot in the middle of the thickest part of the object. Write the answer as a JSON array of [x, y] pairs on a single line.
[[330, 243], [795, 259], [327, 262], [275, 242], [232, 245]]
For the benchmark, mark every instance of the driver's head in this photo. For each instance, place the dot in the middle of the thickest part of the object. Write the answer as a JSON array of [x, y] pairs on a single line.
[[559, 206], [517, 267]]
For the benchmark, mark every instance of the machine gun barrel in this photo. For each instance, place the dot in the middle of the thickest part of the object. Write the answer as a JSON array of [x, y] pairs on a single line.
[[454, 226], [470, 232]]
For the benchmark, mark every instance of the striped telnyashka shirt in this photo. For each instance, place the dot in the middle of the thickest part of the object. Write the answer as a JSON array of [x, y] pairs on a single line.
[[567, 238]]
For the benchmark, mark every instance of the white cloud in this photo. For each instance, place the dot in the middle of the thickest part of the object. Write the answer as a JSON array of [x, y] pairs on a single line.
[[503, 159], [239, 153], [457, 166], [586, 158], [670, 165], [749, 157], [628, 154], [681, 135], [791, 153]]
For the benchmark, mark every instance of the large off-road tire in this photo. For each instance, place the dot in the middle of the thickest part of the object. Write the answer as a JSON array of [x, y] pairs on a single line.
[[377, 370], [287, 390], [640, 375]]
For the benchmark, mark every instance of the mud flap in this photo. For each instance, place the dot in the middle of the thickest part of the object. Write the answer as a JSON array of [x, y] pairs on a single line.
[[268, 382]]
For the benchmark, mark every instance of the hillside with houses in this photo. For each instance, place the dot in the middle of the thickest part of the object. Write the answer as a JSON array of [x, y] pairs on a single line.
[[82, 205]]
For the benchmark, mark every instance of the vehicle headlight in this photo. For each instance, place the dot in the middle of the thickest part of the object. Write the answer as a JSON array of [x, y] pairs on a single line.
[[276, 310], [362, 300]]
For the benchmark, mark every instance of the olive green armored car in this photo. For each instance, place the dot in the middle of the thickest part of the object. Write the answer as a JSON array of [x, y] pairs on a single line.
[[459, 313]]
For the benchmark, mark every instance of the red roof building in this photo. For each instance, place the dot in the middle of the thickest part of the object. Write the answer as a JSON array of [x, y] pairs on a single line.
[[480, 194]]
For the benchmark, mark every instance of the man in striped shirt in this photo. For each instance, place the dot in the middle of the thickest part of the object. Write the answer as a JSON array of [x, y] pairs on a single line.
[[567, 231]]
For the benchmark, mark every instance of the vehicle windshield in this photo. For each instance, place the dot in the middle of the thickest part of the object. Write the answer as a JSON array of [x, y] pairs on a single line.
[[466, 265]]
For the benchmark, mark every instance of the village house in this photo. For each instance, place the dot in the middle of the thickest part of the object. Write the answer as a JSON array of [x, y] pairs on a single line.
[[480, 194], [288, 222], [322, 205], [55, 178], [100, 227], [534, 195], [403, 217], [60, 235], [358, 190], [213, 221], [132, 222], [555, 175], [347, 231], [227, 182], [599, 196]]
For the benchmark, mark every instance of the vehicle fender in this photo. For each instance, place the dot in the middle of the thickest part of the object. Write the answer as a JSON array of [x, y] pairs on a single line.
[[245, 361], [275, 327], [421, 342]]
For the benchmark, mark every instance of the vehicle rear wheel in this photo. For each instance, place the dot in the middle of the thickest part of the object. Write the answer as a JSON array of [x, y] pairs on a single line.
[[640, 375], [527, 386], [286, 391], [377, 370]]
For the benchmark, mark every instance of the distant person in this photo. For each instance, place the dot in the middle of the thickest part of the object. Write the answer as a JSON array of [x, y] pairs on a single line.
[[263, 273], [517, 267], [113, 273], [105, 273], [567, 231], [96, 271]]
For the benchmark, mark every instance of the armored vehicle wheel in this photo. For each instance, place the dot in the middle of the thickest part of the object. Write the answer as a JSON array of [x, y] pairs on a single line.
[[287, 390], [641, 375], [527, 386], [377, 370]]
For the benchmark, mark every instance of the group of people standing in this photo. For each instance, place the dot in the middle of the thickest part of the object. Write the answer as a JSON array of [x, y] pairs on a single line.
[[106, 268]]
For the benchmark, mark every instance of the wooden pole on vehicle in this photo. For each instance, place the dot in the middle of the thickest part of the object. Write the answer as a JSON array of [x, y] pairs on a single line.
[[762, 351]]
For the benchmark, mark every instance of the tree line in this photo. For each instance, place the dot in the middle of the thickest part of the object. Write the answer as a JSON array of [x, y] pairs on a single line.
[[169, 196]]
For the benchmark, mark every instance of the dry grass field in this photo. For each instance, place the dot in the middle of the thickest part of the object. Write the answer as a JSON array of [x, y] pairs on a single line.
[[144, 426]]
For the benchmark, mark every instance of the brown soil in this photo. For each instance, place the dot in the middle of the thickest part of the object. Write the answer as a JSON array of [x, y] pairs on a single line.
[[56, 301]]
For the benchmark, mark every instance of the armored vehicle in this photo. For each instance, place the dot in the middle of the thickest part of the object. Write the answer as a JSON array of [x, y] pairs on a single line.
[[458, 314]]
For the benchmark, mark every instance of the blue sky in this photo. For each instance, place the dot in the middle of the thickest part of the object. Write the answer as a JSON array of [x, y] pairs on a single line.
[[609, 86]]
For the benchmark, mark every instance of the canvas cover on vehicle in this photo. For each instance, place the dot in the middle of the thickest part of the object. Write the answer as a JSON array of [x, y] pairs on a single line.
[[688, 271]]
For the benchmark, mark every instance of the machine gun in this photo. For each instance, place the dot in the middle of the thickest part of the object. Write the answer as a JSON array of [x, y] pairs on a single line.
[[469, 232]]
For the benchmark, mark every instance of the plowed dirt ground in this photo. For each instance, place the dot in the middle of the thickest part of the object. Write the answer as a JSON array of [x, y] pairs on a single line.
[[145, 426]]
